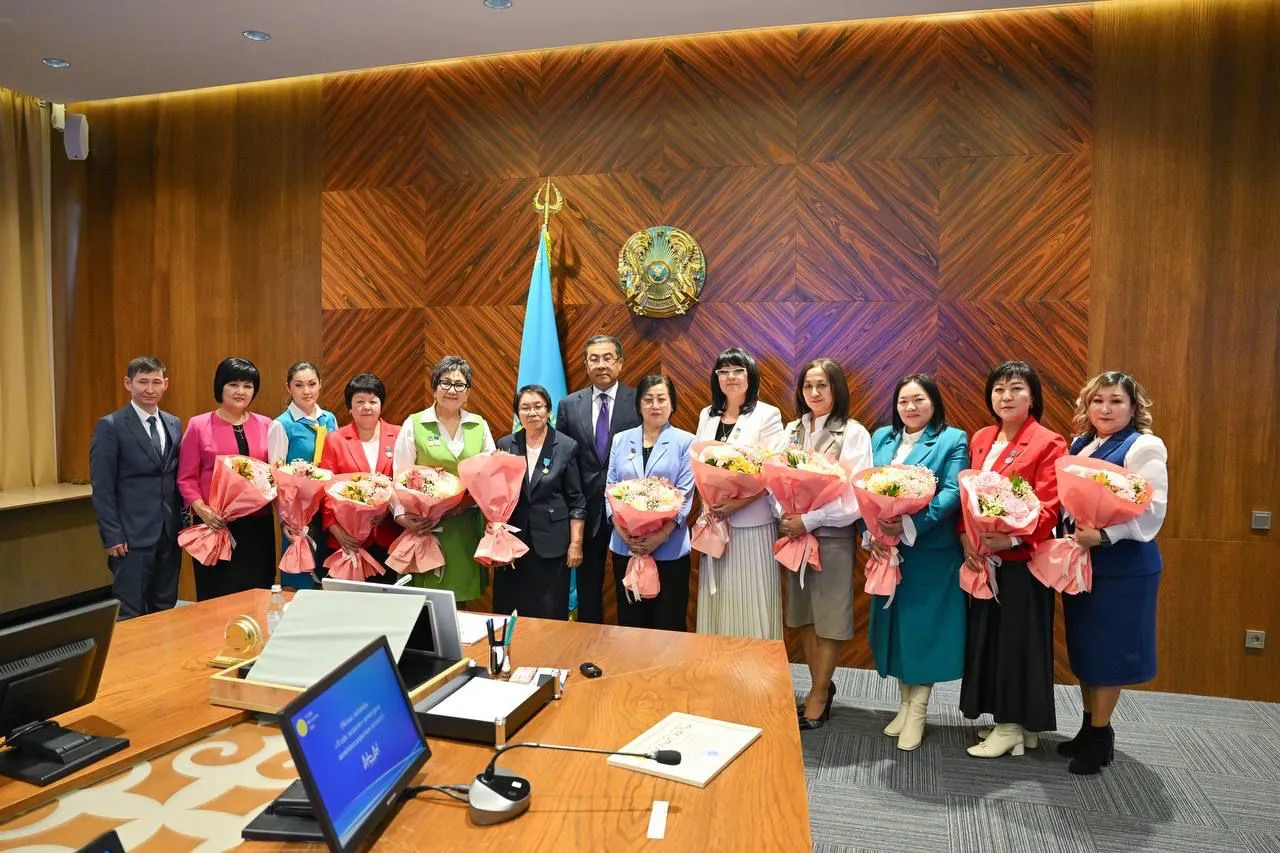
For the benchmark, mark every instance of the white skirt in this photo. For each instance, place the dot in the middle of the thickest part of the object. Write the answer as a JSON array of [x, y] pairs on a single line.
[[748, 587]]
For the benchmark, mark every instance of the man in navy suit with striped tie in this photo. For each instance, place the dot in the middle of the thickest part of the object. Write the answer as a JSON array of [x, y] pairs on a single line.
[[592, 417], [133, 465]]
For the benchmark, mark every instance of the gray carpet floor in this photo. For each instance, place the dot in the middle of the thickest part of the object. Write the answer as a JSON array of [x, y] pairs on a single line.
[[1193, 774]]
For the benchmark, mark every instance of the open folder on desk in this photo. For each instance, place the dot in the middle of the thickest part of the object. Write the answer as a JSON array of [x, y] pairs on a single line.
[[706, 747]]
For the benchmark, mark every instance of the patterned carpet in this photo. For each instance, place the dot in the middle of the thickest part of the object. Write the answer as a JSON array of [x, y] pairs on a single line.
[[1192, 773]]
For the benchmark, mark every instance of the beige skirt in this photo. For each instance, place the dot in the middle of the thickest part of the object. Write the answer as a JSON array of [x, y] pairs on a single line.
[[747, 601], [826, 602]]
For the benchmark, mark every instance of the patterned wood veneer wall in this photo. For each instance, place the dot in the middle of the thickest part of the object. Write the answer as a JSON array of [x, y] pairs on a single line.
[[899, 195]]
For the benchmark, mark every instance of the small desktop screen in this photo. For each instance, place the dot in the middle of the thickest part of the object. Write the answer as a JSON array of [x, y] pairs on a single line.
[[358, 738]]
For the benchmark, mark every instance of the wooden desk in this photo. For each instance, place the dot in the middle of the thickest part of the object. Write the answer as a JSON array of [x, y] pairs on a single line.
[[579, 802]]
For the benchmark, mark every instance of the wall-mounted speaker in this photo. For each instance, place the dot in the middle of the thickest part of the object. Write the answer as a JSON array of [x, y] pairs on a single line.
[[75, 138]]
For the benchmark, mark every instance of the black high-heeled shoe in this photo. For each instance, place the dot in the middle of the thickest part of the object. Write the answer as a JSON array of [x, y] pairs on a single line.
[[1071, 748], [831, 688], [807, 724], [1097, 751]]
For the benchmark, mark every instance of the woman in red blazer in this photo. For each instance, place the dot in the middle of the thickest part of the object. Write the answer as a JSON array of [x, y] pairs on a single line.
[[366, 444], [1008, 670]]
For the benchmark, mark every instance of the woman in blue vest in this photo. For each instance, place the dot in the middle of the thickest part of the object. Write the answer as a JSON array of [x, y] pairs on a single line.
[[1111, 631], [299, 433], [919, 637]]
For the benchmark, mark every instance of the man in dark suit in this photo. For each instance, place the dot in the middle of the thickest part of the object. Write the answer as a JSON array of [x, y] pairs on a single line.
[[133, 465], [592, 417]]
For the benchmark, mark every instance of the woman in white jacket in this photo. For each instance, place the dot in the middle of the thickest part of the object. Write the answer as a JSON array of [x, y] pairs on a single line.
[[740, 594]]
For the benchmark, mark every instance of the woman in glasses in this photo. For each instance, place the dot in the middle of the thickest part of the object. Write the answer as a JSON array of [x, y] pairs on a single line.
[[441, 437], [738, 593], [551, 514]]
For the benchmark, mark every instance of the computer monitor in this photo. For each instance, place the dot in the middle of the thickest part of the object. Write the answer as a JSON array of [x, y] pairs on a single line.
[[437, 636], [47, 667], [356, 743]]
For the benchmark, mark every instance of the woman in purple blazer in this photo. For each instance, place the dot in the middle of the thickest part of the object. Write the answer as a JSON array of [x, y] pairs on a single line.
[[229, 429]]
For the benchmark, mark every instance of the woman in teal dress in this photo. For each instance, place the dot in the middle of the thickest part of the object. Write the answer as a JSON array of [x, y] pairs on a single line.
[[919, 638], [441, 437]]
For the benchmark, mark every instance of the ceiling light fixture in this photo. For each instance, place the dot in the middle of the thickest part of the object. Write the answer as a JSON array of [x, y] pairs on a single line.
[[497, 4], [55, 62], [256, 35]]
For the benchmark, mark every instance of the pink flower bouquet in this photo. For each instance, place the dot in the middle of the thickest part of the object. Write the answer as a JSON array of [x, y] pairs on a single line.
[[641, 507], [240, 486], [801, 481], [494, 481], [299, 493], [992, 503], [431, 493], [890, 492], [1097, 494], [359, 503], [722, 472]]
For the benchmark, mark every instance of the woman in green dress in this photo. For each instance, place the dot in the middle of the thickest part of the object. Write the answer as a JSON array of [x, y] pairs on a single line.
[[441, 437]]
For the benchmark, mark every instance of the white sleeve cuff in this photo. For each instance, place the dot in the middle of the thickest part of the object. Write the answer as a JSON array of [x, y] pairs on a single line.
[[908, 531]]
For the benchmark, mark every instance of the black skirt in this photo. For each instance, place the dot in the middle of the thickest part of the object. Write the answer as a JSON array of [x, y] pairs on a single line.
[[252, 564], [536, 586], [1008, 659]]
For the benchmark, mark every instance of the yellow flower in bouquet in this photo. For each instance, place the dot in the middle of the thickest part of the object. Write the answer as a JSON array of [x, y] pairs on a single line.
[[253, 470], [910, 482], [807, 460], [364, 488], [741, 460]]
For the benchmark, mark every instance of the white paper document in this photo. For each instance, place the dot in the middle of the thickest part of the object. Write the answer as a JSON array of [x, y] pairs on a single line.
[[323, 628], [706, 747], [471, 627], [484, 700]]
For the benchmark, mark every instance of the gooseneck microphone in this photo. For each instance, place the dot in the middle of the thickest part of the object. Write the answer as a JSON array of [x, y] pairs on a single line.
[[497, 796]]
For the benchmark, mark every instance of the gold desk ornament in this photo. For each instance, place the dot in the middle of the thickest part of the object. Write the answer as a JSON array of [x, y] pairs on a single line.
[[661, 271], [243, 641]]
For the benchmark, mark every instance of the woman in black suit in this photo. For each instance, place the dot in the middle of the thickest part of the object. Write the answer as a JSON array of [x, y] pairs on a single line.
[[551, 514]]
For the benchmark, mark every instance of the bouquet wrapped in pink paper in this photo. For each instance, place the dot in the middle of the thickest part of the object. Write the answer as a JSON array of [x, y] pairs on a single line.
[[801, 481], [640, 507], [992, 503], [1097, 494], [240, 486], [431, 493], [299, 493], [359, 503], [494, 481], [889, 492], [722, 472]]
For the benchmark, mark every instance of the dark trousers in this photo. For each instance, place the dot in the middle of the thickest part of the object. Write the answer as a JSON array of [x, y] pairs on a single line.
[[252, 564], [667, 610], [389, 575], [146, 579], [536, 586], [595, 554]]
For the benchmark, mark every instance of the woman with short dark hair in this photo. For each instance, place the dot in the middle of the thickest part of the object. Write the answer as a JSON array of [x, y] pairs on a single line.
[[230, 429]]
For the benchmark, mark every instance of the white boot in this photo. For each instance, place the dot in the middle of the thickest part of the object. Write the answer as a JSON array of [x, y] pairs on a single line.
[[1005, 737], [896, 724], [917, 710], [1030, 739]]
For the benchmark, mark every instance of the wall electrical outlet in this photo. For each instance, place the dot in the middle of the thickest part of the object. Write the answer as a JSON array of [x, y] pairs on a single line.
[[1260, 521], [1255, 639]]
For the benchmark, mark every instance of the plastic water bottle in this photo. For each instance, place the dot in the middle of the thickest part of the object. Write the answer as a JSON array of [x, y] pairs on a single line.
[[275, 609]]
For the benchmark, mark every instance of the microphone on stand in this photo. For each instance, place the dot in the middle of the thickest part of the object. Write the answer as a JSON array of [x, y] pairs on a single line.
[[497, 796]]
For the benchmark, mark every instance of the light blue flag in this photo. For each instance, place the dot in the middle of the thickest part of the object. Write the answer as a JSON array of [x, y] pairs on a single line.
[[540, 361]]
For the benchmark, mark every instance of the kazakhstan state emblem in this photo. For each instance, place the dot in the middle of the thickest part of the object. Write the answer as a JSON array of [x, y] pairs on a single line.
[[661, 271]]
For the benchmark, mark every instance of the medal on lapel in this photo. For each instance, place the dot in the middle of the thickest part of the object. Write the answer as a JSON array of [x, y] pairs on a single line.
[[1009, 459], [546, 466]]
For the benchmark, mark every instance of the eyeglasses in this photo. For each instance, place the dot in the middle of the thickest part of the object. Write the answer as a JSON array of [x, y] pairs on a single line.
[[731, 372], [533, 410], [654, 404], [450, 385], [601, 359]]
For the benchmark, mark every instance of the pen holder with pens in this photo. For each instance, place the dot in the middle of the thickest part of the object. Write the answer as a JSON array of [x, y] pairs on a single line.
[[499, 661], [500, 646]]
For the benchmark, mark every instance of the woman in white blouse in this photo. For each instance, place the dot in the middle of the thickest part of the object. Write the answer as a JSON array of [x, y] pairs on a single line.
[[1111, 631], [822, 610], [739, 594]]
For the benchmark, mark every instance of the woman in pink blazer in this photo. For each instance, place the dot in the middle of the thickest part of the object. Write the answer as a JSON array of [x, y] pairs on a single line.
[[228, 430]]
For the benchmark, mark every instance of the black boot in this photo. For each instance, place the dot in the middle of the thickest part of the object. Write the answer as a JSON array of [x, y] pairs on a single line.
[[1071, 748], [1096, 752]]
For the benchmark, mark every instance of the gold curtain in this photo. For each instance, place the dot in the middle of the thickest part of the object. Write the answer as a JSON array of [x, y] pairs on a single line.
[[27, 428]]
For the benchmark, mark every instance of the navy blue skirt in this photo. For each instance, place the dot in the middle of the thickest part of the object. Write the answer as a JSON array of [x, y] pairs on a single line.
[[1111, 631]]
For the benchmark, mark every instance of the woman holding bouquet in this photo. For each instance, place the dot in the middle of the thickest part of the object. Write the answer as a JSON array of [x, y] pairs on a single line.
[[1111, 630], [230, 429], [1008, 670], [919, 638], [441, 437], [551, 514], [822, 609], [654, 449], [299, 432], [747, 598], [367, 444]]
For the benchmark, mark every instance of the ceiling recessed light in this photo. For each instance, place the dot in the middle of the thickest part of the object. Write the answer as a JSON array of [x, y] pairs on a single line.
[[55, 62], [256, 35], [498, 4]]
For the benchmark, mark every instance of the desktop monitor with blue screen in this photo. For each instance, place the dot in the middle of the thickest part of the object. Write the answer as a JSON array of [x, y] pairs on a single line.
[[357, 745]]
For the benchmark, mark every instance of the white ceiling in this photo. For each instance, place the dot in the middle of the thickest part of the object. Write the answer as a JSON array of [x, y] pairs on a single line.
[[133, 47]]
